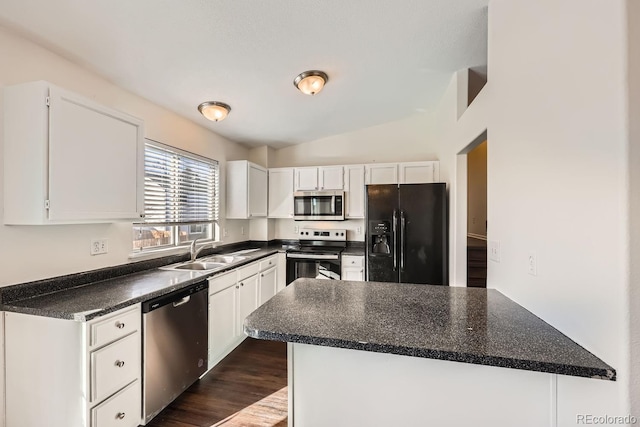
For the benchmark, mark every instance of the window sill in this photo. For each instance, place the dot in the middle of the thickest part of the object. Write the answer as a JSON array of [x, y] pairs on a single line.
[[162, 252]]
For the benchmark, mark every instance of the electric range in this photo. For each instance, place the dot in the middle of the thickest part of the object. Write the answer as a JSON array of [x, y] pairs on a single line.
[[318, 254]]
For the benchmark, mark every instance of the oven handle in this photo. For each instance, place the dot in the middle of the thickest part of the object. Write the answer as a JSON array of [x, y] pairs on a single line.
[[312, 257]]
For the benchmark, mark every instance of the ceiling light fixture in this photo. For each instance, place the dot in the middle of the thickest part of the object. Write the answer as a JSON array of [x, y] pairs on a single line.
[[311, 82], [214, 110]]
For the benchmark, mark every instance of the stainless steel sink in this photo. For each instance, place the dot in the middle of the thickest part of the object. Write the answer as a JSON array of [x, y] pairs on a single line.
[[199, 265], [210, 263], [224, 259]]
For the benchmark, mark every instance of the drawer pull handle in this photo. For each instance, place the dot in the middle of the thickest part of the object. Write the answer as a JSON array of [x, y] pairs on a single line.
[[241, 284], [119, 325], [120, 415], [119, 363], [353, 262]]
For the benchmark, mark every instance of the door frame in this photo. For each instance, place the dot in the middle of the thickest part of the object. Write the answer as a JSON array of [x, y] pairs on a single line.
[[462, 211]]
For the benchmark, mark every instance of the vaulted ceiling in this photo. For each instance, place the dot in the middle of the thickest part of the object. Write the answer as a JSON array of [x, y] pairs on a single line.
[[386, 60]]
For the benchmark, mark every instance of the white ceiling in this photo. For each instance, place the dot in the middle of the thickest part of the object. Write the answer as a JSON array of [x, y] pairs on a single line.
[[386, 60]]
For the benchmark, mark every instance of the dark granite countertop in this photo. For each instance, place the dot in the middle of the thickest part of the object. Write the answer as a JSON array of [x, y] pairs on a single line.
[[85, 296], [354, 249], [469, 325]]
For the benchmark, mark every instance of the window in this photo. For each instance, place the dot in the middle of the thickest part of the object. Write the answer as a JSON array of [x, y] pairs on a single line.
[[180, 198]]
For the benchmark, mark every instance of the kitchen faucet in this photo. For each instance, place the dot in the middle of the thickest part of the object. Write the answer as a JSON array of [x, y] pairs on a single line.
[[194, 252]]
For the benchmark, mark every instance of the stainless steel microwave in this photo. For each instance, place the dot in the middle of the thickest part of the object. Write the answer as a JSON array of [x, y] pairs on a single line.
[[318, 205]]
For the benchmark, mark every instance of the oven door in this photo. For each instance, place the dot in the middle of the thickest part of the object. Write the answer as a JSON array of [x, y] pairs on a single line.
[[318, 205], [324, 269]]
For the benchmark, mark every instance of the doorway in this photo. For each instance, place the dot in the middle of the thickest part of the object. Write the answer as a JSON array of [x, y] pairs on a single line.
[[477, 216]]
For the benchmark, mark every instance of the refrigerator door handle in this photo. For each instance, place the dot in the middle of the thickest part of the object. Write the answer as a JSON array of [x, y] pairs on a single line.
[[395, 240], [403, 226]]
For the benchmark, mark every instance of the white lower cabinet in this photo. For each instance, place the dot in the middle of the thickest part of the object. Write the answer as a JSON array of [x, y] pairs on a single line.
[[267, 285], [120, 410], [114, 366], [247, 300], [222, 322], [62, 373], [232, 297], [352, 268]]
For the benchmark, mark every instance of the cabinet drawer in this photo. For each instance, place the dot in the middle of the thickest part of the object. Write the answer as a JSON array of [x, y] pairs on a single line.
[[223, 281], [352, 261], [115, 326], [114, 366], [267, 263], [248, 270], [121, 410]]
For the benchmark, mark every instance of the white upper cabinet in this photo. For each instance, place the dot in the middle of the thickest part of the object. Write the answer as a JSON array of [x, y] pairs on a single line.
[[246, 190], [68, 159], [319, 178], [382, 173], [354, 191], [331, 178], [403, 173], [306, 179], [281, 193], [419, 172]]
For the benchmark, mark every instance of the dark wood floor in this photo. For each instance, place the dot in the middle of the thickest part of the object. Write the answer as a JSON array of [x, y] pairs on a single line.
[[248, 388]]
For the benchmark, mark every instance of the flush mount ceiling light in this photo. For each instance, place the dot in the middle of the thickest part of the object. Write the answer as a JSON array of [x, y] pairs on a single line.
[[214, 110], [311, 82]]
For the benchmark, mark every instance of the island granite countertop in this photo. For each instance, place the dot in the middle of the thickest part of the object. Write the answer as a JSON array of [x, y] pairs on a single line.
[[471, 325], [85, 296]]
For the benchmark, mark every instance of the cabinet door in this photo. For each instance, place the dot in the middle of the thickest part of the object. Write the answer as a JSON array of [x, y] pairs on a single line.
[[419, 172], [331, 178], [354, 191], [247, 300], [384, 173], [281, 193], [267, 284], [257, 191], [306, 179], [222, 321], [355, 274], [95, 161]]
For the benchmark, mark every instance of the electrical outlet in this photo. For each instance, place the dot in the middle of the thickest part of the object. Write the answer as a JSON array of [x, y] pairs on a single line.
[[242, 230], [99, 246], [359, 230], [296, 229], [225, 232], [494, 250], [532, 264]]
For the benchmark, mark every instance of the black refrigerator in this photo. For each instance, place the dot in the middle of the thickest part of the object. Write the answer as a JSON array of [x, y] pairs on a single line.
[[407, 233]]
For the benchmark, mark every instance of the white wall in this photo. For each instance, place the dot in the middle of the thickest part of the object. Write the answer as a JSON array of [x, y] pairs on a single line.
[[554, 110], [64, 249], [399, 141], [403, 140], [633, 26]]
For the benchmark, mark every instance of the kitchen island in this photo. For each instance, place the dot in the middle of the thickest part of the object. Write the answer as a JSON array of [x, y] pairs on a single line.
[[366, 353]]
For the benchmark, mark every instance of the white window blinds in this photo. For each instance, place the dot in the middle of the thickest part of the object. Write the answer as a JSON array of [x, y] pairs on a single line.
[[179, 187]]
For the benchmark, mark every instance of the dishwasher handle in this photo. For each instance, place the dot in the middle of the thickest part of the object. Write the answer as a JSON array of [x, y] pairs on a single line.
[[176, 298], [182, 301]]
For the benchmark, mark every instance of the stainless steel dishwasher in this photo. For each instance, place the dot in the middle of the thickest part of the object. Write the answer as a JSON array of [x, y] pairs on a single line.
[[175, 345]]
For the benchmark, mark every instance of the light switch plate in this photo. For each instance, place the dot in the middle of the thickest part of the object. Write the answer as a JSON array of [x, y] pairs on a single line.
[[494, 250], [532, 264]]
